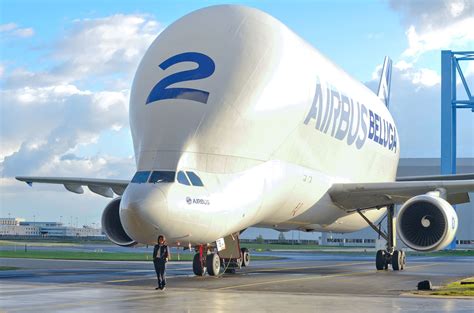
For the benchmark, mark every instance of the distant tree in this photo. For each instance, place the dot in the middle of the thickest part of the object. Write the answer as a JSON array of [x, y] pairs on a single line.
[[281, 237], [259, 239]]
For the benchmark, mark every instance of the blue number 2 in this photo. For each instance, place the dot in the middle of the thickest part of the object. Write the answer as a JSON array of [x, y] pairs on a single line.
[[206, 67]]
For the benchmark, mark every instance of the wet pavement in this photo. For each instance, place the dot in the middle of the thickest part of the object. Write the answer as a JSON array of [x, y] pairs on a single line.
[[308, 282]]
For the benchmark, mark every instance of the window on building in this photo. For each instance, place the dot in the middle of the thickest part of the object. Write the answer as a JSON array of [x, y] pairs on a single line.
[[162, 177], [195, 180], [182, 179], [140, 177]]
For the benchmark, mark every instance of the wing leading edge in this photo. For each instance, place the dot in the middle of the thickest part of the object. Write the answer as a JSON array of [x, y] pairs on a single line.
[[355, 196], [103, 187]]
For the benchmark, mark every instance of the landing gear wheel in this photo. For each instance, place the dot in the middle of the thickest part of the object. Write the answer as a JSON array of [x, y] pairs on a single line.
[[381, 260], [404, 260], [213, 263], [245, 257], [398, 260], [198, 267]]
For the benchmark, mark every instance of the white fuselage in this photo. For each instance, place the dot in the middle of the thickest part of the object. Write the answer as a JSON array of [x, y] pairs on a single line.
[[266, 122]]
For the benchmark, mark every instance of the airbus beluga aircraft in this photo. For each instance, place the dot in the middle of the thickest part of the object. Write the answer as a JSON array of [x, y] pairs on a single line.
[[237, 122]]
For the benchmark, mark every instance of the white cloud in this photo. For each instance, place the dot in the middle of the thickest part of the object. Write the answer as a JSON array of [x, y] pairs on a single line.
[[457, 36], [104, 46], [430, 15], [12, 29], [436, 24], [24, 32], [68, 117], [425, 77], [48, 114], [418, 77], [415, 105], [7, 27], [403, 65]]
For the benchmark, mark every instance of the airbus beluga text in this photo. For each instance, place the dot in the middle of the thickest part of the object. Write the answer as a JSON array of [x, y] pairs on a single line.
[[238, 122]]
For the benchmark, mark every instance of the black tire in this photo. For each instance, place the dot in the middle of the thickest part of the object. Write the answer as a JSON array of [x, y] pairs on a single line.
[[403, 260], [213, 263], [198, 269], [380, 260], [245, 257], [397, 260]]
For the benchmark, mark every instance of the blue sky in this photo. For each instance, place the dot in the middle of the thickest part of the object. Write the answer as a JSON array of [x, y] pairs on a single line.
[[369, 23], [66, 68]]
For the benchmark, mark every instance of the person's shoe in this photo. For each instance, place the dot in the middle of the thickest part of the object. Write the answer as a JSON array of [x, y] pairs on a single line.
[[157, 288], [163, 288]]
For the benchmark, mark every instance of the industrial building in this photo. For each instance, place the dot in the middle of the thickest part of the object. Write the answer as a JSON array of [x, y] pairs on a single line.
[[19, 227]]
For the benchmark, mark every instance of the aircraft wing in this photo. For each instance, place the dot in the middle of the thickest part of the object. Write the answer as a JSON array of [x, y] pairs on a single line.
[[437, 177], [103, 187], [354, 196]]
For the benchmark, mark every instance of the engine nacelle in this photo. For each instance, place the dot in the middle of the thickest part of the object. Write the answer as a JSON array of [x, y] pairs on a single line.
[[113, 227], [427, 223]]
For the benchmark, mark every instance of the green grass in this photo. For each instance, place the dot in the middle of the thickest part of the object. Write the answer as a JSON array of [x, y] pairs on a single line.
[[8, 268], [38, 243], [456, 289], [102, 256]]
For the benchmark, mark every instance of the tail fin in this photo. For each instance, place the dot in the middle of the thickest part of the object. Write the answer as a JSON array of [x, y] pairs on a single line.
[[384, 86]]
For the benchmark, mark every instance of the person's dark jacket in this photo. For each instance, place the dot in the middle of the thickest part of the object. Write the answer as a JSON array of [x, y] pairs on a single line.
[[162, 253]]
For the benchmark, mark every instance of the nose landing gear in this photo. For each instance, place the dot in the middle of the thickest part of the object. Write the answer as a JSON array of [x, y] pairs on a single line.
[[229, 259], [199, 261]]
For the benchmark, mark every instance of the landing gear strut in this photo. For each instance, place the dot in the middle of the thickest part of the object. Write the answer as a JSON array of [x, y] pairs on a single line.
[[199, 261], [396, 258]]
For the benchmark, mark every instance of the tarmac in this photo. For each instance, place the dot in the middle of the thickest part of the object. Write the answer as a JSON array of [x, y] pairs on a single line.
[[300, 282]]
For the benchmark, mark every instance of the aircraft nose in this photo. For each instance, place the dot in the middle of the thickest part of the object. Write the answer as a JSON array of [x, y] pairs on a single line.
[[143, 211]]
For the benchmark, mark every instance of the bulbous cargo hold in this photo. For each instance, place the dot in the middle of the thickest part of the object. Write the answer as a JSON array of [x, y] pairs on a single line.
[[427, 223], [231, 83]]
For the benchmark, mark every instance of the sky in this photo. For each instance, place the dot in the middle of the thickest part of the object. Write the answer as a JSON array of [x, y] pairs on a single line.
[[66, 69]]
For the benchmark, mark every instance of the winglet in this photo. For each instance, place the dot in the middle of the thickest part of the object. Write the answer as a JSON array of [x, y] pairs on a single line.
[[385, 79]]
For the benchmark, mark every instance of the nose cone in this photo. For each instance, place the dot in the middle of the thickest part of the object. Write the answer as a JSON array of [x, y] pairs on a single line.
[[143, 209]]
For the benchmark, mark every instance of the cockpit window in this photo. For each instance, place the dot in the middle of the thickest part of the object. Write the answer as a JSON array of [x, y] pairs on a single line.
[[141, 177], [182, 179], [162, 177], [195, 180]]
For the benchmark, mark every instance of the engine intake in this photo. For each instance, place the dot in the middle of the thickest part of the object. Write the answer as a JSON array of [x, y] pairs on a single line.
[[427, 223], [112, 225]]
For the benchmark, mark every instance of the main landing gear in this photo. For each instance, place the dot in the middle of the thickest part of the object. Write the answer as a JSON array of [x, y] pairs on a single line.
[[396, 258], [232, 257]]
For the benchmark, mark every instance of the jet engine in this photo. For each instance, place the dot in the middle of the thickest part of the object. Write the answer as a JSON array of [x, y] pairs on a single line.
[[427, 223], [113, 227]]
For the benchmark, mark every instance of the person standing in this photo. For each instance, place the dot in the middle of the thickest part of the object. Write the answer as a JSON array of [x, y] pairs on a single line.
[[161, 255]]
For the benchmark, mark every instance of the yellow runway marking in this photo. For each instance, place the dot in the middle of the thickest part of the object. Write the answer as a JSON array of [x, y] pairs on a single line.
[[118, 280], [313, 277], [276, 269], [425, 265], [290, 280]]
